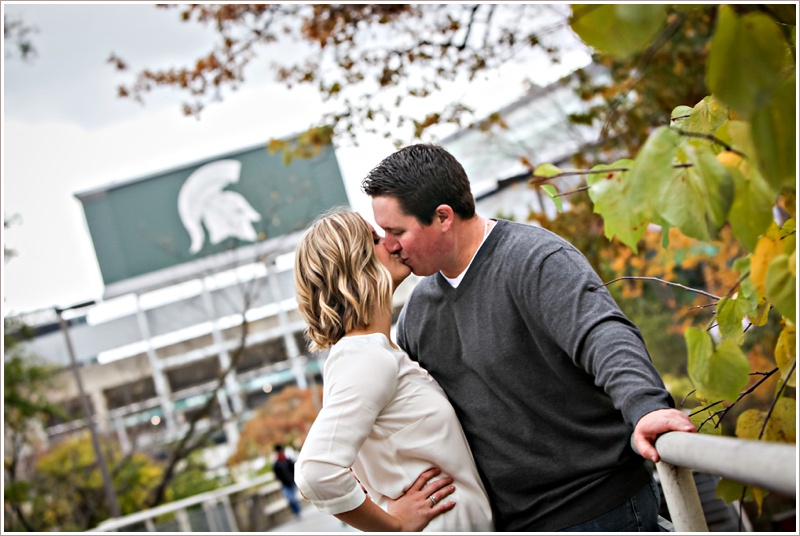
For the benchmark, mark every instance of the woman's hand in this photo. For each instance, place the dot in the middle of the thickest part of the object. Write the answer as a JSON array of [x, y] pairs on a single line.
[[415, 509]]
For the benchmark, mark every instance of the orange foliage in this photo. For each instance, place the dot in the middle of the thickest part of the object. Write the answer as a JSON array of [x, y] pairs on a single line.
[[285, 418]]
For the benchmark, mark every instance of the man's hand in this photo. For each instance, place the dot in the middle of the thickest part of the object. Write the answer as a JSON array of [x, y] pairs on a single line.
[[655, 423], [414, 509]]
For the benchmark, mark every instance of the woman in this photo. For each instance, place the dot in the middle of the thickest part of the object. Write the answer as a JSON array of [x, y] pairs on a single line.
[[383, 416]]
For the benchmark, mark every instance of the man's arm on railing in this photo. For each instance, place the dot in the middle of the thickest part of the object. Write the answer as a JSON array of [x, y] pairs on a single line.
[[655, 423]]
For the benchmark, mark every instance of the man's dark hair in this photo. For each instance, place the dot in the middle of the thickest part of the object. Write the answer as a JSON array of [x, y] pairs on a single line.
[[421, 177]]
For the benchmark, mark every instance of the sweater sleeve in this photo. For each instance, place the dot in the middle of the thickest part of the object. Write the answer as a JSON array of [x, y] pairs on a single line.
[[358, 386], [578, 312]]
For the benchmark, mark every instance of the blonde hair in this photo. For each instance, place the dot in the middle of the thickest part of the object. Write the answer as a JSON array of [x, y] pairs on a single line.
[[339, 281]]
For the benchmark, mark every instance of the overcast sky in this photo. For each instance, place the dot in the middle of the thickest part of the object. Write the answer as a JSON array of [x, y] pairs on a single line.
[[65, 131]]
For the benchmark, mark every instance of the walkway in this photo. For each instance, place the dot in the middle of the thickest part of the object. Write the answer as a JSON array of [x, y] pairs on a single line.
[[311, 520]]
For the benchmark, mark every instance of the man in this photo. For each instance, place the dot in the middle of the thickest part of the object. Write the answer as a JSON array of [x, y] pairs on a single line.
[[547, 375], [284, 472]]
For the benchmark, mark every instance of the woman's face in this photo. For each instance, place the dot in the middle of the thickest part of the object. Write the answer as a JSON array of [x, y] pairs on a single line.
[[391, 261]]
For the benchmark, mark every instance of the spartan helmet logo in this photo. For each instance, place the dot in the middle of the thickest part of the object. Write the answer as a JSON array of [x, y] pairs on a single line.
[[203, 203]]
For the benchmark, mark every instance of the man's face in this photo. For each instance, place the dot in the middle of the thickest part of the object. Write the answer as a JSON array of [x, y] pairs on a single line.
[[419, 246]]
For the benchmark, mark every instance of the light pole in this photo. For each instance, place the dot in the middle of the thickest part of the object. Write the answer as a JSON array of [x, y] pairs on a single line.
[[111, 495]]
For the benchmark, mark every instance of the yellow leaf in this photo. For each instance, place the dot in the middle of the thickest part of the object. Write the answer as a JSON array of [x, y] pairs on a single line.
[[784, 419], [785, 355], [758, 495], [762, 313], [780, 427], [729, 158], [748, 425], [276, 145], [768, 247]]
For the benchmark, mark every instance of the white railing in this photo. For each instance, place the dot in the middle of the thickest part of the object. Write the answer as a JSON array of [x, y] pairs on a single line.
[[768, 465], [217, 513]]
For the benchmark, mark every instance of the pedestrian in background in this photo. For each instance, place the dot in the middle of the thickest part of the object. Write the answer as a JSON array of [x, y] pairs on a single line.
[[283, 467]]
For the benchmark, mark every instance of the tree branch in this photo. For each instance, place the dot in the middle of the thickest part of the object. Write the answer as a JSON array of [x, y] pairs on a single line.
[[775, 400], [670, 283], [711, 138], [721, 414], [536, 179]]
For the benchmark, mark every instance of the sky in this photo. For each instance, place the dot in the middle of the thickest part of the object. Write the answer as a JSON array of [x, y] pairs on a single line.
[[64, 130]]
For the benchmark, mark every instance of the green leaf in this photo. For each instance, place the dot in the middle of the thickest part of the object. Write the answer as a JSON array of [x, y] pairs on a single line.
[[781, 286], [745, 61], [775, 137], [730, 313], [706, 117], [788, 228], [679, 115], [681, 202], [547, 170], [551, 191], [742, 265], [665, 227], [695, 199], [706, 422], [748, 295], [718, 185], [610, 194], [618, 30], [653, 166], [753, 198], [718, 373], [730, 491]]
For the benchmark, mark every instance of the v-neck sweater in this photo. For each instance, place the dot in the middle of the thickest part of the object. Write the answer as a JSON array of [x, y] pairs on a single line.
[[545, 372]]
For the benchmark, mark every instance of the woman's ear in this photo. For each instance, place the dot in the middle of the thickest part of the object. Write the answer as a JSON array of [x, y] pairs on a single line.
[[445, 216]]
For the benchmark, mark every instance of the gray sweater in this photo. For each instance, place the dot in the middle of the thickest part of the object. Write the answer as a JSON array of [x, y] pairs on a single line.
[[547, 377]]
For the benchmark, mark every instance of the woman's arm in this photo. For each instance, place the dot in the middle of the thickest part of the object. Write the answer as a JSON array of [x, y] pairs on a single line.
[[409, 513]]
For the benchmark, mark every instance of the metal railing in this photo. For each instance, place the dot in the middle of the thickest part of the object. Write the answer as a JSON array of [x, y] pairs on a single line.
[[768, 465], [213, 511]]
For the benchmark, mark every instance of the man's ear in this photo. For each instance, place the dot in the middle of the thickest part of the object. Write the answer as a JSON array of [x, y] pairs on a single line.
[[445, 216]]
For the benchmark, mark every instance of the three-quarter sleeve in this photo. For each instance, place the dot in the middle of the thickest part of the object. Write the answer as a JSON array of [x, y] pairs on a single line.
[[358, 385]]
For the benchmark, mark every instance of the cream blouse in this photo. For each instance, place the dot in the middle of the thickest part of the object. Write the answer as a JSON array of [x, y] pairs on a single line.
[[387, 419]]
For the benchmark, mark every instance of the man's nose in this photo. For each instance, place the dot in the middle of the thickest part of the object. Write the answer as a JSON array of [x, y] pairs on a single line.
[[391, 245]]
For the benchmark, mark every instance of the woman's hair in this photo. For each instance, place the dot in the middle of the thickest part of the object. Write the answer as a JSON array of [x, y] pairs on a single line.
[[338, 280]]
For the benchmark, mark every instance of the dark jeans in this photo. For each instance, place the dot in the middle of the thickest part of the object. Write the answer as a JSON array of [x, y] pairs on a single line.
[[637, 514], [290, 492]]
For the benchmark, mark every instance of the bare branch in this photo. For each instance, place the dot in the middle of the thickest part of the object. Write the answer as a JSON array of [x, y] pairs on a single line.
[[775, 400], [670, 283]]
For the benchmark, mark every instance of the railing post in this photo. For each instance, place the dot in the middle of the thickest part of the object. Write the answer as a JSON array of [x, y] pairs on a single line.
[[183, 520], [683, 501], [233, 526], [208, 510]]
